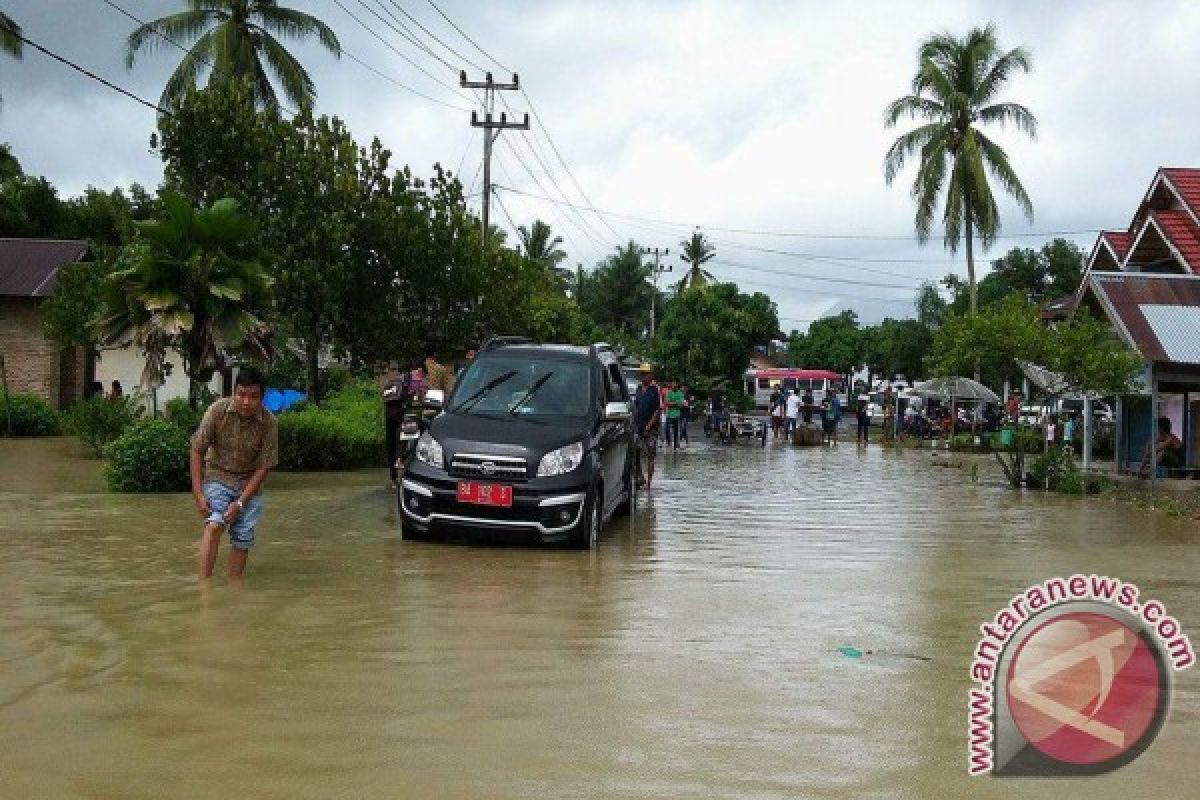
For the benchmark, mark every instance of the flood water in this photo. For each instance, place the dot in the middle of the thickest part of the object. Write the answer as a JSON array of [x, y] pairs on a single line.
[[693, 655]]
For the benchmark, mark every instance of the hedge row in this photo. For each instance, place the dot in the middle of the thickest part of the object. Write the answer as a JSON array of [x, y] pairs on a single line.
[[28, 414]]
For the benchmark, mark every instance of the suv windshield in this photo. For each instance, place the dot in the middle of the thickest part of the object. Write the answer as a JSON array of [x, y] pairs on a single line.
[[524, 387]]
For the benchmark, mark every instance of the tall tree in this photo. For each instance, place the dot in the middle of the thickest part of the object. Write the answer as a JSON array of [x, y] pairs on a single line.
[[697, 251], [616, 295], [10, 167], [540, 246], [10, 38], [191, 282], [231, 39], [955, 92]]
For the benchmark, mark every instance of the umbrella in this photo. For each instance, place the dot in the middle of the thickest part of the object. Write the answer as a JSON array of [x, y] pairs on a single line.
[[1049, 382], [952, 388]]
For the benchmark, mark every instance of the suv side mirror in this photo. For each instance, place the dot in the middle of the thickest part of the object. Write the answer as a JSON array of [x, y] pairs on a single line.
[[616, 411], [435, 398]]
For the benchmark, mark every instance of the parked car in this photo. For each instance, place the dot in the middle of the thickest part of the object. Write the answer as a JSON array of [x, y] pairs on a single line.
[[535, 439]]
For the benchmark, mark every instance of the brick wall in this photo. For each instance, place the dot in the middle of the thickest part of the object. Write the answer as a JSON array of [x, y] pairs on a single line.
[[32, 361]]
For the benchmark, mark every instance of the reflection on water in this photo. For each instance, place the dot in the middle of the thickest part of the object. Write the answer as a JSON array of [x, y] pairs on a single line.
[[693, 655]]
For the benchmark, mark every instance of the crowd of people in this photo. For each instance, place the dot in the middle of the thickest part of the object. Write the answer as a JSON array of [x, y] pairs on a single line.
[[789, 410]]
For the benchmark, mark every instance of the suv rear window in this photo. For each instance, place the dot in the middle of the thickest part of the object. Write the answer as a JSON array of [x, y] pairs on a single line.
[[526, 387]]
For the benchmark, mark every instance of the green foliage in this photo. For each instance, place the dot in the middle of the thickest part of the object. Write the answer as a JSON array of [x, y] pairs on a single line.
[[1090, 356], [191, 282], [834, 343], [10, 167], [150, 456], [954, 93], [993, 338], [697, 251], [30, 208], [345, 432], [237, 39], [97, 420], [180, 413], [616, 294], [1053, 465], [29, 413], [69, 315], [708, 333], [897, 347], [1035, 275]]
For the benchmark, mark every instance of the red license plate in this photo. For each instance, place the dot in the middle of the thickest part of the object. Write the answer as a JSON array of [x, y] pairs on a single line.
[[485, 494]]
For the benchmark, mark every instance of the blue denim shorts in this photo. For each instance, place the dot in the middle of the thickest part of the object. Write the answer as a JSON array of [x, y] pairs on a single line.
[[220, 497]]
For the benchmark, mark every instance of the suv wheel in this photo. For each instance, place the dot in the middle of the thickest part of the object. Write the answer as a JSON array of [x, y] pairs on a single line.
[[587, 534]]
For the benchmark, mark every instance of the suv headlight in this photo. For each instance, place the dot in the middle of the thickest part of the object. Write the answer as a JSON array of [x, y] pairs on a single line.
[[429, 451], [561, 461]]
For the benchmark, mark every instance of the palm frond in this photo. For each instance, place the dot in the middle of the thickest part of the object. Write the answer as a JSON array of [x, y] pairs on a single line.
[[905, 145], [996, 159], [914, 107], [183, 27], [187, 75], [294, 24], [1013, 114], [979, 201], [10, 33], [999, 73], [297, 84], [927, 185]]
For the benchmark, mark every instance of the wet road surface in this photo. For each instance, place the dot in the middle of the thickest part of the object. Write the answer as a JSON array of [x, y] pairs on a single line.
[[694, 654]]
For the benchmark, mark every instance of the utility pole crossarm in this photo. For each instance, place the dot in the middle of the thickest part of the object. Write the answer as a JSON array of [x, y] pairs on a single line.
[[492, 128]]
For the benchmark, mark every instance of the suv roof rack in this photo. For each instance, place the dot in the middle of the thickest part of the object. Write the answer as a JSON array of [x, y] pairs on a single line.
[[602, 347], [504, 341]]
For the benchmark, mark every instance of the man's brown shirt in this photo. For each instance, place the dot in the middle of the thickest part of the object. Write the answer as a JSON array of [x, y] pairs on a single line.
[[235, 447]]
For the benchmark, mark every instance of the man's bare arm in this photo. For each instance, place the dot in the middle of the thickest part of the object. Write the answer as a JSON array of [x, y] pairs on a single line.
[[196, 467]]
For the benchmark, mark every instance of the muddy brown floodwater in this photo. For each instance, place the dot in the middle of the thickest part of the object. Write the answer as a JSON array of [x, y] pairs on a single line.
[[693, 655]]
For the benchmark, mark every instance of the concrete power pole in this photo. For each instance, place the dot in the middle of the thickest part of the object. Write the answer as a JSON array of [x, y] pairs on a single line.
[[658, 270], [490, 87]]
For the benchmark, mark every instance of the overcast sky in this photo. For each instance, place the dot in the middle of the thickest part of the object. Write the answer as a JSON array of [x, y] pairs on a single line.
[[762, 116]]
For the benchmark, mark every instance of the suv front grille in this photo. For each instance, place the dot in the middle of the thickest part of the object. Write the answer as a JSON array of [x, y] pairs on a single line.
[[472, 465]]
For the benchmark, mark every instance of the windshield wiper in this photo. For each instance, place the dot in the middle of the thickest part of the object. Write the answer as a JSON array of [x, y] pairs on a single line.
[[538, 384], [469, 403]]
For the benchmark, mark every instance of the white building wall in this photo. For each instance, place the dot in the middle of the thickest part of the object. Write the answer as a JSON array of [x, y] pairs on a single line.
[[126, 365]]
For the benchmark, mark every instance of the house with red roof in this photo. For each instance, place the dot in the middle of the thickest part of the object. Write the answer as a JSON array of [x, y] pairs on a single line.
[[1145, 280]]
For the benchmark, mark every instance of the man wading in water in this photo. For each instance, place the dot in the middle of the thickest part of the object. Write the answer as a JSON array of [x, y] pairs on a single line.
[[241, 441]]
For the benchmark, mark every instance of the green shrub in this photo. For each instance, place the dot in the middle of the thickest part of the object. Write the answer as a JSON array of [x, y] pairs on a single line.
[[30, 415], [98, 420], [344, 432], [150, 456], [179, 413]]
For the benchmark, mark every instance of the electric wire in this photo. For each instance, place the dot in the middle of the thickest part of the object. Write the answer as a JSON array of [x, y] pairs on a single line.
[[85, 71], [471, 41]]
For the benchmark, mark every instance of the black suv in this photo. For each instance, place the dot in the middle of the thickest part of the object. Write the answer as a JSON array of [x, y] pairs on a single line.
[[535, 439]]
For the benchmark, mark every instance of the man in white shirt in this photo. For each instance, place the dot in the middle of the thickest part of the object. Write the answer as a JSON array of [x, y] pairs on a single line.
[[793, 411]]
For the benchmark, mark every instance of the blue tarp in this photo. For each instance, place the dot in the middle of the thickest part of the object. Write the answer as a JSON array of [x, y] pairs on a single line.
[[276, 400]]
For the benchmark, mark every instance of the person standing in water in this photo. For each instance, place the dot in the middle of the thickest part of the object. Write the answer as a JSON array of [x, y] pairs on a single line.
[[233, 451]]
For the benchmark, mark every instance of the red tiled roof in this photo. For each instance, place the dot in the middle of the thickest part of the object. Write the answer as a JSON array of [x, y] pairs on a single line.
[[1124, 293], [1180, 229], [1119, 241], [28, 267], [1187, 182]]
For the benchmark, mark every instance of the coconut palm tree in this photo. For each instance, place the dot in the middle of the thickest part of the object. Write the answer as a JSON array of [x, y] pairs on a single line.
[[539, 246], [230, 39], [10, 41], [955, 91], [190, 282], [697, 250]]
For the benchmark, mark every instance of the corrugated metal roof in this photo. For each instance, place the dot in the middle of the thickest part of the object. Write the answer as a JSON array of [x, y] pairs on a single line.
[[1124, 294], [1177, 329], [28, 266]]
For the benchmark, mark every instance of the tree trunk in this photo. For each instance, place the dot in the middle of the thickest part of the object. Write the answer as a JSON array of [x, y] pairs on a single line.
[[972, 292]]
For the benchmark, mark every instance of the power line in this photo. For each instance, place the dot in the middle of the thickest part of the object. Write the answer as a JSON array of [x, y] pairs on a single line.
[[395, 49], [847, 281], [397, 83], [559, 217], [434, 36], [404, 31], [463, 34], [794, 234], [87, 72]]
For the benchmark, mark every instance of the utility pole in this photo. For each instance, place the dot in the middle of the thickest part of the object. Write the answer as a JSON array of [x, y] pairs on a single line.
[[659, 268], [490, 87]]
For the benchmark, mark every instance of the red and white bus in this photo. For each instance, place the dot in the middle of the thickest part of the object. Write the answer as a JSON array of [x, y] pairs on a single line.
[[759, 383]]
